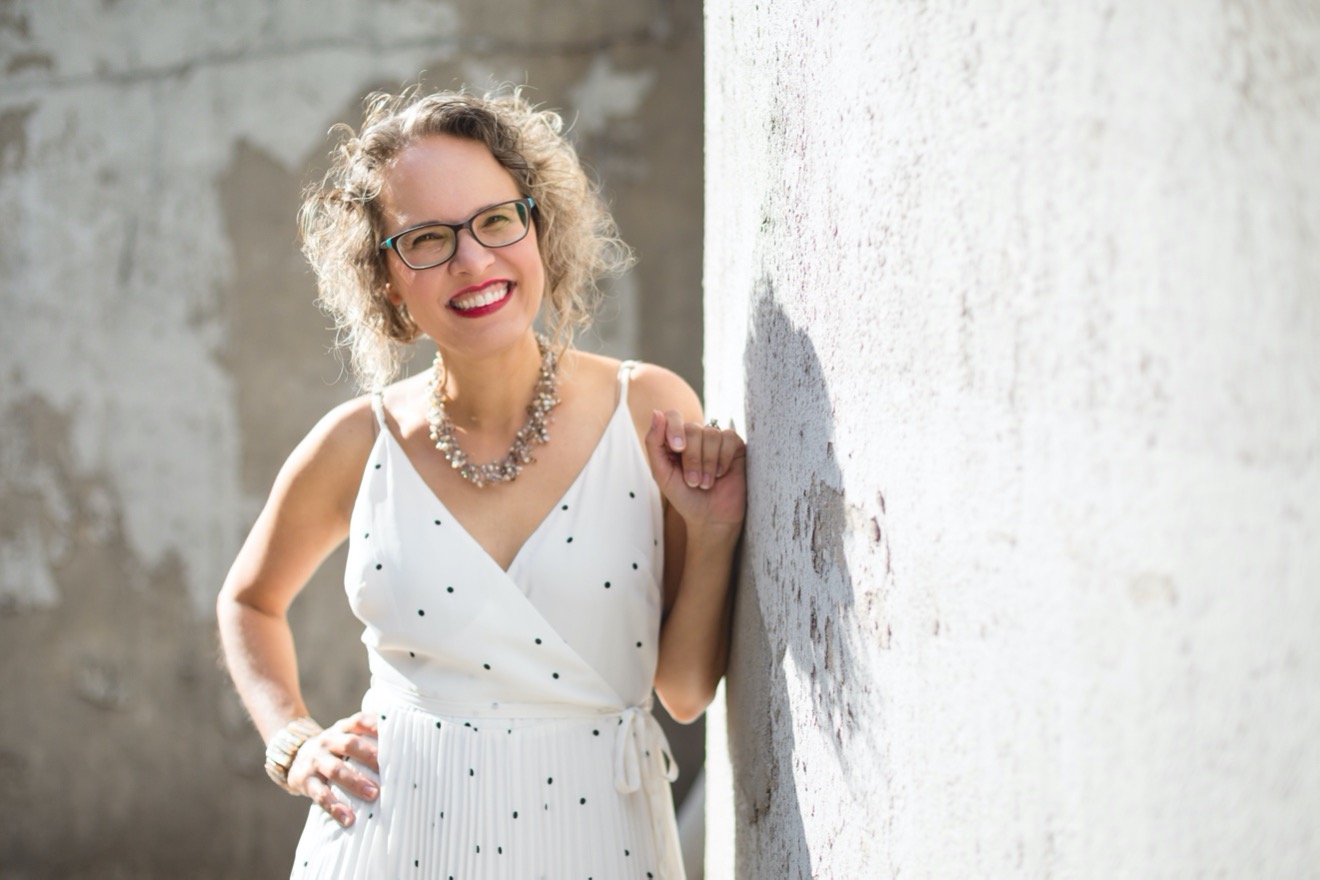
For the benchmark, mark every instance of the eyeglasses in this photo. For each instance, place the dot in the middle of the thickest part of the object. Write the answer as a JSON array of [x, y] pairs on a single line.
[[429, 245]]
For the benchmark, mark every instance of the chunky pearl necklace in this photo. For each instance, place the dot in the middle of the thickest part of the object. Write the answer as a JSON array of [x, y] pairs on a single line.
[[505, 470]]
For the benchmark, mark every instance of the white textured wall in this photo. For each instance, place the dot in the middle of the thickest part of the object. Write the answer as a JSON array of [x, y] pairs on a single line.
[[1019, 305]]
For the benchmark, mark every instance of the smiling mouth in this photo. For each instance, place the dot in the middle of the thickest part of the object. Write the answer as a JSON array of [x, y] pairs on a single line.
[[479, 299]]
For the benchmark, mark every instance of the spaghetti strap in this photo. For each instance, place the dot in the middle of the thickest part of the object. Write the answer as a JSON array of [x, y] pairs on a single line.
[[378, 407], [625, 374]]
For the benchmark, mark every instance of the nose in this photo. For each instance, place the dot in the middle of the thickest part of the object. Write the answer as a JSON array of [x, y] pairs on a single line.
[[470, 255]]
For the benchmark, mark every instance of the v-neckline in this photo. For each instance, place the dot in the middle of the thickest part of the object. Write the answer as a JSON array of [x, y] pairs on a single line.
[[540, 524]]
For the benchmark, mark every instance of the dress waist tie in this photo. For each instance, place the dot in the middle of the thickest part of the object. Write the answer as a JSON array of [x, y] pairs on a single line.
[[643, 760]]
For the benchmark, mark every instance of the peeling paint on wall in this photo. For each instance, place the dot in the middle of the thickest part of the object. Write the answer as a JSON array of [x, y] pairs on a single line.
[[163, 353], [608, 96]]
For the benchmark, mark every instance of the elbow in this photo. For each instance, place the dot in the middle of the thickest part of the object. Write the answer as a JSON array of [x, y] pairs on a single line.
[[685, 714], [686, 704], [225, 619], [223, 603], [226, 604]]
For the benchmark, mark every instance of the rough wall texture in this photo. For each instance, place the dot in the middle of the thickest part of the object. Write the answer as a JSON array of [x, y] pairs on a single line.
[[161, 354], [1019, 305]]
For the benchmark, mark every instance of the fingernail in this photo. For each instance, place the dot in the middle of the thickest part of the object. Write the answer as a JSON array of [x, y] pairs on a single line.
[[693, 479], [678, 441], [346, 819], [707, 481], [370, 791]]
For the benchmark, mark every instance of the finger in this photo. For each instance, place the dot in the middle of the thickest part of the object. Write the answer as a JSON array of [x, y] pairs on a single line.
[[363, 749], [360, 722], [360, 741], [323, 796], [675, 432], [657, 449], [337, 770], [692, 453], [341, 747], [367, 722], [731, 447], [711, 441]]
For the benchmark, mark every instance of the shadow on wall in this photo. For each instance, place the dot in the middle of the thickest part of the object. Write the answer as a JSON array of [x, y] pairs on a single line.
[[795, 670]]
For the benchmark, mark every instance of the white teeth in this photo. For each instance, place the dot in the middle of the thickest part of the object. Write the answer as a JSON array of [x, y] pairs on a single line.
[[482, 298]]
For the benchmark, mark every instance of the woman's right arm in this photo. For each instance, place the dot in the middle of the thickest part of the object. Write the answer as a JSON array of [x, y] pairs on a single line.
[[304, 519]]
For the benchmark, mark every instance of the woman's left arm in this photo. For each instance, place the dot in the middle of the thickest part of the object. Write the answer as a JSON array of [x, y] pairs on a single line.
[[701, 472]]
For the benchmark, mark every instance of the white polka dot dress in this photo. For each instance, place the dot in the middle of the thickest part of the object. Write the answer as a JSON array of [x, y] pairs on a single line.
[[516, 738]]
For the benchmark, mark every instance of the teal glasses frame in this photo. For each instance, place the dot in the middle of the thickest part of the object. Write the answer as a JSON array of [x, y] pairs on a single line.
[[392, 243]]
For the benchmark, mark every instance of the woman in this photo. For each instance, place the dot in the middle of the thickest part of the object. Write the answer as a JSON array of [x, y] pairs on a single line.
[[537, 535]]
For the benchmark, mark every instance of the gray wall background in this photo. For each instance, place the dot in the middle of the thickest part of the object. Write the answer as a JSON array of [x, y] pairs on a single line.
[[162, 354], [1019, 304]]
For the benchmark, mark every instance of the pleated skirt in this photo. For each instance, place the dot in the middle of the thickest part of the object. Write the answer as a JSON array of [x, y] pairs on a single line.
[[476, 795]]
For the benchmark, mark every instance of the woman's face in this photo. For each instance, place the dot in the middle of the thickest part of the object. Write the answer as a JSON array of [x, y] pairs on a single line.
[[483, 299]]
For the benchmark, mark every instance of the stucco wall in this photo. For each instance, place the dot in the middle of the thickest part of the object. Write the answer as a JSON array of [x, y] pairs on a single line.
[[1019, 305], [162, 354]]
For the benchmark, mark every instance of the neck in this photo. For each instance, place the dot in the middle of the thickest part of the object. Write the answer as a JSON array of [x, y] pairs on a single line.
[[491, 392]]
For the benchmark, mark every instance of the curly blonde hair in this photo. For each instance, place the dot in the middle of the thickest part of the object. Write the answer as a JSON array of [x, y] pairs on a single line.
[[341, 227]]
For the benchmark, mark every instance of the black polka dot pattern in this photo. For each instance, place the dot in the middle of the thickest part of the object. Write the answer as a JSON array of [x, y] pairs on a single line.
[[573, 795]]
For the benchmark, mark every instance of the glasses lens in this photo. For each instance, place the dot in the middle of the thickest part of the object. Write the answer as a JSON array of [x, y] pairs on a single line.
[[501, 225], [427, 246]]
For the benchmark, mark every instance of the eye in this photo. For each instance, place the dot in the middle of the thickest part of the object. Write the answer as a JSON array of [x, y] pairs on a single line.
[[496, 219], [431, 236]]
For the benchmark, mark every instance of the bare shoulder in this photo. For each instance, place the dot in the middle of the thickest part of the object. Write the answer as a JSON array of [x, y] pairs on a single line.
[[650, 387], [334, 452], [655, 388], [406, 402], [595, 374], [348, 429]]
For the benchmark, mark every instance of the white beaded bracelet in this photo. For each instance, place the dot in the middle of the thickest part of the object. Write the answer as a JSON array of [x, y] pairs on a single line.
[[283, 747]]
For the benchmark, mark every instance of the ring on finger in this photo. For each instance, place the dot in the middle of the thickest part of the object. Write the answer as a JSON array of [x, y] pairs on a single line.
[[713, 423]]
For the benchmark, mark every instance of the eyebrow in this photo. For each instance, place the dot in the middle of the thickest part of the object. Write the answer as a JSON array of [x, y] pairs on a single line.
[[464, 220]]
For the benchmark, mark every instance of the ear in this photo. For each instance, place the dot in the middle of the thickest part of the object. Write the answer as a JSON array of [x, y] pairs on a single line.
[[392, 295]]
